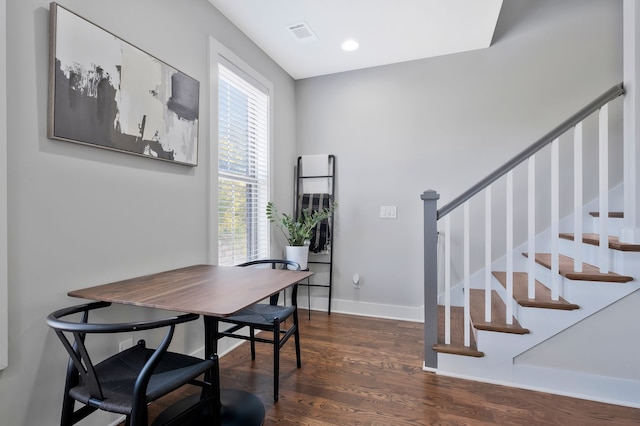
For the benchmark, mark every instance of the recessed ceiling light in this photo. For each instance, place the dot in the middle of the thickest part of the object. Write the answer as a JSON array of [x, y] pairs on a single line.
[[350, 45]]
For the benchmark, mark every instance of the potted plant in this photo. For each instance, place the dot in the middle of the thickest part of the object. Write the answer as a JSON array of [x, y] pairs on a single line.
[[298, 231]]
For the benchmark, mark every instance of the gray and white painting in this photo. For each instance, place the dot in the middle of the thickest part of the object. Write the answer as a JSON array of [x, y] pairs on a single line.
[[111, 94]]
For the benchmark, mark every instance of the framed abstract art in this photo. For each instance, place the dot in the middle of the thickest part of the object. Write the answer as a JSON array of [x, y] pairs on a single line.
[[107, 93]]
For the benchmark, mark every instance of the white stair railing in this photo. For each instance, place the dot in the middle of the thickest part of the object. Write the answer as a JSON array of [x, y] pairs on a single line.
[[487, 254], [509, 248], [603, 179], [577, 198], [467, 278], [531, 227], [447, 280], [555, 219], [432, 213]]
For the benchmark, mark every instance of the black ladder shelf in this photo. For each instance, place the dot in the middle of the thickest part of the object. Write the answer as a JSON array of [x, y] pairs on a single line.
[[312, 181]]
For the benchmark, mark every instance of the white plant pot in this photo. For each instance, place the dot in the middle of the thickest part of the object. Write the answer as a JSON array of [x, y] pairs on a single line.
[[298, 254]]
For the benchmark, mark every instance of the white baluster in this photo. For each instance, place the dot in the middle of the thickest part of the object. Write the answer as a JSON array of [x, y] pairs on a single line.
[[531, 218], [509, 248], [447, 280], [555, 219], [467, 304], [487, 254], [604, 188], [577, 198]]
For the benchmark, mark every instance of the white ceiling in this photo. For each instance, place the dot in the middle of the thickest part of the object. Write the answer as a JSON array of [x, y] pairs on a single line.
[[388, 31]]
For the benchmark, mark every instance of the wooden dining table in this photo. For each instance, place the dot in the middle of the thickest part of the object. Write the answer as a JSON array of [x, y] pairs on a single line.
[[208, 290]]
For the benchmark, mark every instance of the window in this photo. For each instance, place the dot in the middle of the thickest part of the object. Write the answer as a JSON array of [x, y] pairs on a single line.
[[243, 145]]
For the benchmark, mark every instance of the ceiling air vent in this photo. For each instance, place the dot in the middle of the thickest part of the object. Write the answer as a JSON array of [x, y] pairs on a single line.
[[302, 32]]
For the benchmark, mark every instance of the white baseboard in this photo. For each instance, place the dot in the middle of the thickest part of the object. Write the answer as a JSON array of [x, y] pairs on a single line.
[[590, 387], [225, 345], [120, 419], [376, 310], [429, 369], [501, 371], [373, 310]]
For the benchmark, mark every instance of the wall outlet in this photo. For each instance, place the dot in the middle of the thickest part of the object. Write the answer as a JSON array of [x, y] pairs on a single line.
[[125, 344]]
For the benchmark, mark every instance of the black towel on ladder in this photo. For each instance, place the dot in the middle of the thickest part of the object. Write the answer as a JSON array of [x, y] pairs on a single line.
[[321, 234]]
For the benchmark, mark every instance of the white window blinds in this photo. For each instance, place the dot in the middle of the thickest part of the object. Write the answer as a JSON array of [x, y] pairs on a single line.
[[243, 109]]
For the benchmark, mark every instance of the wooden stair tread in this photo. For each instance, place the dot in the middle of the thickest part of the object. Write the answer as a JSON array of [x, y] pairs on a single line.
[[594, 239], [457, 346], [498, 314], [543, 294], [589, 272], [617, 215]]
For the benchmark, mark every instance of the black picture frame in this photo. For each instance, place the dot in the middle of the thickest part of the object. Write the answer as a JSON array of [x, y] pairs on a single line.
[[107, 93]]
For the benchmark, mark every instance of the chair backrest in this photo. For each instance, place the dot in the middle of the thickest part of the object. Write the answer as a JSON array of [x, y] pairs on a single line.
[[80, 360], [285, 264]]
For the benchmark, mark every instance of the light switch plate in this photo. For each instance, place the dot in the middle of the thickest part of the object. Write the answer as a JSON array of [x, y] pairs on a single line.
[[388, 212]]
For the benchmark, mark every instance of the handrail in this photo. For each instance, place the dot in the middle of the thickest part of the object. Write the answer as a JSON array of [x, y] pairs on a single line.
[[593, 106]]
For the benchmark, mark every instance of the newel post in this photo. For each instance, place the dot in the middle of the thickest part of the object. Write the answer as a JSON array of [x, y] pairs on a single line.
[[430, 199]]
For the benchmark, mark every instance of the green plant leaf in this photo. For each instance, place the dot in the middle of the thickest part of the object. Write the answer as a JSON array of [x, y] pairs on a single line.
[[297, 232]]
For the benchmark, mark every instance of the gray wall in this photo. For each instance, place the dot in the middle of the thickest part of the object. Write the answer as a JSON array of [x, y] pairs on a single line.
[[4, 332], [613, 327], [444, 123], [81, 216]]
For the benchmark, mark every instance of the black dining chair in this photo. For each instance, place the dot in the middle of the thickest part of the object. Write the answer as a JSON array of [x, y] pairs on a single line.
[[126, 382], [266, 317]]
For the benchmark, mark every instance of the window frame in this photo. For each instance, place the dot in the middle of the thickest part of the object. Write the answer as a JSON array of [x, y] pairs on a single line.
[[218, 53]]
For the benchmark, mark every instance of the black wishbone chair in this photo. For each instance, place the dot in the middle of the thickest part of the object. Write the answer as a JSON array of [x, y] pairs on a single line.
[[127, 381], [266, 317]]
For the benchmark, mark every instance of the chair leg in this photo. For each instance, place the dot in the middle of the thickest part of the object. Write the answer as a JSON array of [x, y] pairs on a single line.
[[276, 358], [252, 334], [68, 403], [296, 339], [214, 389], [67, 411], [139, 415]]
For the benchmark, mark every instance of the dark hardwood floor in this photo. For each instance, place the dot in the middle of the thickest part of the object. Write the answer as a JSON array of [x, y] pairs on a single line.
[[367, 371]]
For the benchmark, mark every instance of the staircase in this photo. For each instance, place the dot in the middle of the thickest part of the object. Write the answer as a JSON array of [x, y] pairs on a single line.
[[508, 322]]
